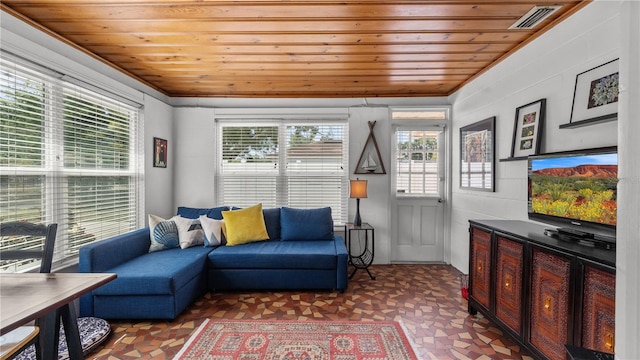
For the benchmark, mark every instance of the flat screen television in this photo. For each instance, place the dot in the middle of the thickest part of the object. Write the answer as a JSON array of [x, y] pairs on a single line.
[[576, 192]]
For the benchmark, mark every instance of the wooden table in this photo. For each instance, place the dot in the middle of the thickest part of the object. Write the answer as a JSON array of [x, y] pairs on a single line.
[[29, 296]]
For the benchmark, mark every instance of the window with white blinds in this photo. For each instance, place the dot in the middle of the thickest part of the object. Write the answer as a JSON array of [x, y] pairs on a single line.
[[417, 162], [68, 156], [419, 142], [284, 163]]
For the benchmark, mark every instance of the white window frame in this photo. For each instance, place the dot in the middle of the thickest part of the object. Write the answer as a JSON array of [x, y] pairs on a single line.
[[416, 123], [282, 121], [54, 203]]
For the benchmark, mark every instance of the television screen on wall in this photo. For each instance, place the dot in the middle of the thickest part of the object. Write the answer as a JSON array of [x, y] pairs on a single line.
[[576, 191]]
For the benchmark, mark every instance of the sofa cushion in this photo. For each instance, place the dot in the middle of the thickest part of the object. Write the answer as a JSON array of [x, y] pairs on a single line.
[[190, 231], [213, 230], [276, 255], [163, 232], [245, 225], [194, 213], [160, 272], [306, 224], [272, 222]]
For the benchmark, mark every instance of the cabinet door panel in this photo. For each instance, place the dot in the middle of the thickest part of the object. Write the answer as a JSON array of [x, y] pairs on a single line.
[[550, 287], [599, 310], [480, 266], [509, 263]]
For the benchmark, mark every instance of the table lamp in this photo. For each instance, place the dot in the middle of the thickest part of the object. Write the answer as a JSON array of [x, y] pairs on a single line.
[[358, 191]]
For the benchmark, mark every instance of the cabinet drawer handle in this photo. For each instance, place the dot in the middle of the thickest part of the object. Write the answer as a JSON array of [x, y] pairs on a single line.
[[609, 341], [507, 282], [480, 266], [547, 303]]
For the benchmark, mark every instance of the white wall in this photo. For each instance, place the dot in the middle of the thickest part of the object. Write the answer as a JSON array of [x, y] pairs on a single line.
[[158, 122], [195, 153], [376, 208], [546, 68], [628, 251]]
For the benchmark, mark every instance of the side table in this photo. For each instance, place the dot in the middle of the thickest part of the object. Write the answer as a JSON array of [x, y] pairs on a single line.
[[366, 248]]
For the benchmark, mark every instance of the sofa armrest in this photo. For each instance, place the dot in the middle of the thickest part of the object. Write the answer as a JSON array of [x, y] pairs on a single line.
[[106, 254], [343, 263]]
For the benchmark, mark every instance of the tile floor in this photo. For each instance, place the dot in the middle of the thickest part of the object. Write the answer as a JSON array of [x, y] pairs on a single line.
[[425, 298]]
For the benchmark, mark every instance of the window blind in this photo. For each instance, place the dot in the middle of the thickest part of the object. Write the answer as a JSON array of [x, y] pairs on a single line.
[[417, 163], [68, 156], [284, 163]]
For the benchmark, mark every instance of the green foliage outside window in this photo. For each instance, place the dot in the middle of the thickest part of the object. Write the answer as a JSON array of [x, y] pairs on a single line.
[[249, 144], [95, 135], [21, 123]]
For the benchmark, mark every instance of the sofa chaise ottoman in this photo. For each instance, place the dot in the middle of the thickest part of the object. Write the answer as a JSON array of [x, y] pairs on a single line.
[[150, 285]]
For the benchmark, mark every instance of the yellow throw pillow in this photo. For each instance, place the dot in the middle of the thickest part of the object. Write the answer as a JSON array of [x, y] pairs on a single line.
[[245, 225]]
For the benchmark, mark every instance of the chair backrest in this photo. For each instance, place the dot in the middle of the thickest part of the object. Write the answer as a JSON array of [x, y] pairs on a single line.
[[22, 228]]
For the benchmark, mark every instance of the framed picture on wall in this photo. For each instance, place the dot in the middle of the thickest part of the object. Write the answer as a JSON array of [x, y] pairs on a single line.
[[159, 152], [527, 130], [477, 155], [595, 97]]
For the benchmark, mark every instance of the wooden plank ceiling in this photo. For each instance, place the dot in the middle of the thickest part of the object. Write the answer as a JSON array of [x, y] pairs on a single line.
[[297, 48]]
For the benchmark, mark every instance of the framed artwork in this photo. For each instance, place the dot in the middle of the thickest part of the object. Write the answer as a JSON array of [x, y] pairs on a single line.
[[595, 97], [477, 155], [159, 152], [370, 161], [527, 130]]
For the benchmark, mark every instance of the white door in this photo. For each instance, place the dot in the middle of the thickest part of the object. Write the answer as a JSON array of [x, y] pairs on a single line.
[[417, 222]]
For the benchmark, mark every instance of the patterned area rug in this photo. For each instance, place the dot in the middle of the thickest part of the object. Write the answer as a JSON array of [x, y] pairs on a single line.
[[93, 331], [297, 340]]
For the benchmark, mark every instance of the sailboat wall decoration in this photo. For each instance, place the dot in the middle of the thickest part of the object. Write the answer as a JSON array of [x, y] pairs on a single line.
[[370, 161]]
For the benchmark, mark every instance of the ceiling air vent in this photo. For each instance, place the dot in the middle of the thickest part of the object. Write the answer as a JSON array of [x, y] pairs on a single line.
[[534, 17]]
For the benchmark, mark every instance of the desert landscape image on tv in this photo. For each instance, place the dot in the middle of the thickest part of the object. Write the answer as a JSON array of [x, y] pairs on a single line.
[[576, 187]]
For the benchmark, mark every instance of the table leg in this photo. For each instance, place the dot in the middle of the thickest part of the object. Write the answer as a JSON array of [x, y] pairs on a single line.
[[366, 269], [70, 323], [49, 335], [370, 275]]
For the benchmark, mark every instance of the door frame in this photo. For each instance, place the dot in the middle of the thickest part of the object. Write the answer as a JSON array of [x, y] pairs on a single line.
[[446, 166]]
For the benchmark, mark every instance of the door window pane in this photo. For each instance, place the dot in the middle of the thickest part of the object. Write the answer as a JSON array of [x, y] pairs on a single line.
[[417, 166]]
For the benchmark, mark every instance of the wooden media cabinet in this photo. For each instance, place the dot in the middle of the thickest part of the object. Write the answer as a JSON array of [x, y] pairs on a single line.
[[542, 291]]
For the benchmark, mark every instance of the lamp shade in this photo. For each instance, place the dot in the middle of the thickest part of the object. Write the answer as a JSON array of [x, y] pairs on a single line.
[[358, 189]]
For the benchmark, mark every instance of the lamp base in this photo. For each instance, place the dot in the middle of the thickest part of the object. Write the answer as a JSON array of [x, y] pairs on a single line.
[[357, 221]]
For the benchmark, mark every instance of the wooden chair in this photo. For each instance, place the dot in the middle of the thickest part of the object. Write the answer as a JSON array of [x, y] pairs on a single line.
[[22, 228], [26, 336], [92, 326], [14, 342]]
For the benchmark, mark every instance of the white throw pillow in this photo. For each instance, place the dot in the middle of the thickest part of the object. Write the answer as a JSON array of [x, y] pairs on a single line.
[[189, 232], [213, 230]]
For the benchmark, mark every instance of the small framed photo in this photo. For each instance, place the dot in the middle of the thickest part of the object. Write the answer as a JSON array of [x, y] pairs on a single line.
[[477, 155], [595, 97], [527, 130], [159, 152]]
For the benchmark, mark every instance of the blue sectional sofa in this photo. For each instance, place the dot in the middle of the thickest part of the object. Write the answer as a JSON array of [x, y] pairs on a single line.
[[161, 284]]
